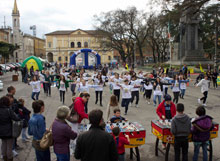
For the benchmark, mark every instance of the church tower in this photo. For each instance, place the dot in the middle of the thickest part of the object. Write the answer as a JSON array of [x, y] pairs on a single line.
[[17, 37]]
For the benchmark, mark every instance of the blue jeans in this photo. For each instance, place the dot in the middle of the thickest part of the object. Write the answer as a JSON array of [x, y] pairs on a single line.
[[42, 155], [183, 92], [125, 102], [196, 151], [63, 157], [155, 99], [121, 157], [24, 133], [37, 95]]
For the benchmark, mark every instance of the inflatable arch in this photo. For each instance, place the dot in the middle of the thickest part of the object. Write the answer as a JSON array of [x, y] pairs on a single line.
[[33, 61], [86, 53]]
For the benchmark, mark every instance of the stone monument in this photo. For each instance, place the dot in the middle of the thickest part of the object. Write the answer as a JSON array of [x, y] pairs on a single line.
[[190, 49]]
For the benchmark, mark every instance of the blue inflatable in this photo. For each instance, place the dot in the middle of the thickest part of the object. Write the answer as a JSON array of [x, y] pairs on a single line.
[[86, 58]]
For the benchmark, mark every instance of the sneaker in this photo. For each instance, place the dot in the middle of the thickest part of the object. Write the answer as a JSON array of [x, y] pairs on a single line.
[[148, 103], [14, 153], [136, 106], [154, 105], [164, 146], [199, 101], [125, 113], [204, 105]]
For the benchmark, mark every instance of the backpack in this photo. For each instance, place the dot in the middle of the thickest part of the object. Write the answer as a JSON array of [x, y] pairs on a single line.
[[74, 116]]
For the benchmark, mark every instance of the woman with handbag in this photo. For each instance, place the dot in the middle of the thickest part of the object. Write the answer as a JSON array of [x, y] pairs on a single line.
[[6, 117], [62, 134], [37, 128]]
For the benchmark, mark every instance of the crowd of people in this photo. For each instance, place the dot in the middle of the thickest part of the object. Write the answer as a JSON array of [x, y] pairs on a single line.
[[128, 85]]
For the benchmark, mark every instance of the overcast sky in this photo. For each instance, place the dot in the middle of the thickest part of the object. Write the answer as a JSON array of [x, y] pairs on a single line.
[[51, 15]]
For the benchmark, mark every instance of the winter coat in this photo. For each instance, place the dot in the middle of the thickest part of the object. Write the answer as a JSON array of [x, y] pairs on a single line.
[[79, 108], [96, 145], [181, 125], [6, 117], [161, 109], [201, 128]]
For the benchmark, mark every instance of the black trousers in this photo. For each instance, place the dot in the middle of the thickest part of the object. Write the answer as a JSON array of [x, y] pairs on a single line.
[[117, 93], [176, 97], [181, 144], [205, 97], [133, 95], [62, 96], [148, 93], [86, 107], [98, 94], [44, 87], [215, 85], [48, 89]]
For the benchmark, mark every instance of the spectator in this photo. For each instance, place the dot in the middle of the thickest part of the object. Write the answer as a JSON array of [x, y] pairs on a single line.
[[201, 132], [96, 144], [111, 107], [62, 134], [37, 128], [180, 128], [25, 116], [6, 117], [120, 143]]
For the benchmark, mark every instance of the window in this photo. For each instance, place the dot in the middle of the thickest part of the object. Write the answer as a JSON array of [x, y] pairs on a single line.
[[49, 44], [79, 32], [15, 23], [16, 55], [59, 58], [72, 45], [66, 58], [79, 44], [86, 44], [109, 58]]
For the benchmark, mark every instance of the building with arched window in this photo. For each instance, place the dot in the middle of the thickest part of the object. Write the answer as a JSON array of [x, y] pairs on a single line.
[[62, 44]]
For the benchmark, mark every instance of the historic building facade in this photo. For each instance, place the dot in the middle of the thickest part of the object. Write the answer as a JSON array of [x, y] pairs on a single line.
[[60, 45], [28, 44]]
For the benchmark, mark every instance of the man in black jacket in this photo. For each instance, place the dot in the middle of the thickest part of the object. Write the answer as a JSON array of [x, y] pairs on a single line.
[[96, 144]]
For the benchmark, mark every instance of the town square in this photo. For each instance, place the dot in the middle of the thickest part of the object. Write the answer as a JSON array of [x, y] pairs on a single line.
[[138, 81]]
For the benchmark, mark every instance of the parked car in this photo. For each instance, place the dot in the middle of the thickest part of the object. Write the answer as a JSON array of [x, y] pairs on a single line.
[[5, 68], [1, 85]]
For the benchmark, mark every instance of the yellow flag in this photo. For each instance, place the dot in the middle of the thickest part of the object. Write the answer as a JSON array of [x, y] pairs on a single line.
[[201, 69], [127, 67]]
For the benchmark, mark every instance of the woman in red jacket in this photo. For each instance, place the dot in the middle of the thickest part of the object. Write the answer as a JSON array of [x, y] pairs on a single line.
[[166, 109]]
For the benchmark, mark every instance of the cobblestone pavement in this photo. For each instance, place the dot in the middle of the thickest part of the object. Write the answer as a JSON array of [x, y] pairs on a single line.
[[144, 114]]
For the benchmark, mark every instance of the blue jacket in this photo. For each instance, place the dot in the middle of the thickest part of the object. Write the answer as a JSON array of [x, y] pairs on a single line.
[[37, 126]]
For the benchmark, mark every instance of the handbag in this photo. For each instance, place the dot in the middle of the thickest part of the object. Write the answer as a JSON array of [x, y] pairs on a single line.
[[16, 127], [47, 140], [74, 116]]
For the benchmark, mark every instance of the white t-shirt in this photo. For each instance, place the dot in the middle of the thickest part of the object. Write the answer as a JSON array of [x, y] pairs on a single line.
[[126, 91], [96, 82], [183, 85], [35, 86], [128, 77], [176, 87], [86, 87], [117, 81], [135, 83], [149, 87], [62, 86], [158, 91], [65, 75], [205, 85]]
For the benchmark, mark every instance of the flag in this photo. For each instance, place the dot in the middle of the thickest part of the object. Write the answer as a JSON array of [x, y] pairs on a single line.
[[126, 66], [201, 69]]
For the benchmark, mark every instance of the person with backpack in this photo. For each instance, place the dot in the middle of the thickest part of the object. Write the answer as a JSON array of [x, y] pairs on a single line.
[[201, 128], [181, 128], [6, 117], [25, 116]]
